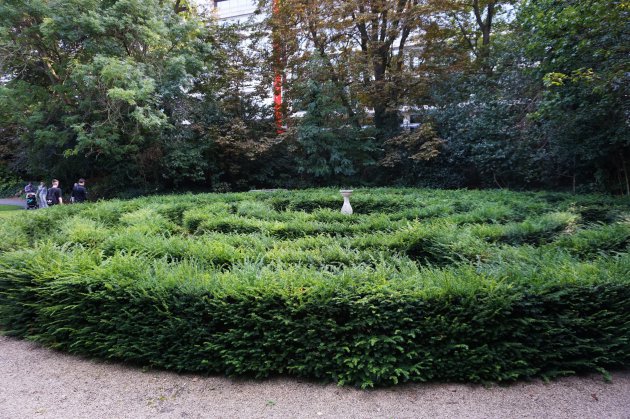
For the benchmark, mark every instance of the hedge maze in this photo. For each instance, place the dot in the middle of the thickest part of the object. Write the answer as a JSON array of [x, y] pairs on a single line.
[[417, 285]]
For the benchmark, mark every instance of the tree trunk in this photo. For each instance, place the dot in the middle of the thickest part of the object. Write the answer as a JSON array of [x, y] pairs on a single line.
[[624, 167], [385, 114], [485, 26]]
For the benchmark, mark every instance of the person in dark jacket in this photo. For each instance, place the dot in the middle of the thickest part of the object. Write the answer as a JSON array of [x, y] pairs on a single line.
[[79, 192], [54, 194]]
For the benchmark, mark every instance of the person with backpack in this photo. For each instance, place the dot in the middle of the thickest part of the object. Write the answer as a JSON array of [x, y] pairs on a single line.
[[54, 195], [79, 192]]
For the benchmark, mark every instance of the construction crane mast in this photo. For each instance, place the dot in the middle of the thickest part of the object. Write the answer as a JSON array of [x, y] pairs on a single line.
[[240, 10]]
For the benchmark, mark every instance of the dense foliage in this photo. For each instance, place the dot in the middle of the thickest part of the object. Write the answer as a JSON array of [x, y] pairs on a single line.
[[417, 285], [129, 93], [154, 94], [554, 110]]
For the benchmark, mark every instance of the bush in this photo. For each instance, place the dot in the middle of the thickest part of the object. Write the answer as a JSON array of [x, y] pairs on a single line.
[[363, 326], [600, 239], [418, 285]]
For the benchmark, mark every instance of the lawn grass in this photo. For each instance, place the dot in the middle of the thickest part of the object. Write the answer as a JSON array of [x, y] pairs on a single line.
[[416, 285], [8, 209]]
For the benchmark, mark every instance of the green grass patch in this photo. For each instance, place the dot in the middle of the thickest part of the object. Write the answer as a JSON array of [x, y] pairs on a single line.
[[417, 285], [9, 208]]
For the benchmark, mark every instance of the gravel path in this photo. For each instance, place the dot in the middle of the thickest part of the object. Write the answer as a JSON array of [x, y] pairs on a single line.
[[40, 383]]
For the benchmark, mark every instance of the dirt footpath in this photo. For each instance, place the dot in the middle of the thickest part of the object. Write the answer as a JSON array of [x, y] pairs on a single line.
[[40, 383]]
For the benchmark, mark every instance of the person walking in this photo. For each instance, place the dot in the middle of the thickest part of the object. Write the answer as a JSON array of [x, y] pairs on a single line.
[[31, 197], [54, 195], [72, 192], [42, 191], [29, 188], [79, 192]]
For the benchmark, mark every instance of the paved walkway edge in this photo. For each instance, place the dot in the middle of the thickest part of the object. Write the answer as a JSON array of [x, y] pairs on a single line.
[[18, 202]]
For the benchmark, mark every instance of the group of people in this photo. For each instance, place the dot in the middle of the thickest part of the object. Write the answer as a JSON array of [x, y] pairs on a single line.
[[44, 197]]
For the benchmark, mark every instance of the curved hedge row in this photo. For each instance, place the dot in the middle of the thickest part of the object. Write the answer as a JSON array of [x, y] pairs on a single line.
[[417, 285], [364, 326]]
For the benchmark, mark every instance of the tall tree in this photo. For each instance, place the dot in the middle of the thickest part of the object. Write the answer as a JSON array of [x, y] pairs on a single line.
[[477, 22], [99, 87], [580, 52], [362, 45]]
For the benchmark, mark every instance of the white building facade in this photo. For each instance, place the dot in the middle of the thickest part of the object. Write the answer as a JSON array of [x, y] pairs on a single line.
[[234, 10]]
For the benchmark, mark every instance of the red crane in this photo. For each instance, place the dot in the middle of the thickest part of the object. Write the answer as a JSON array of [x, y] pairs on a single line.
[[278, 73]]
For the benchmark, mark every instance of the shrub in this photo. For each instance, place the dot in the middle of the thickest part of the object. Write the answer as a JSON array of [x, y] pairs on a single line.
[[362, 325], [147, 220], [600, 239], [539, 229], [192, 219], [416, 285], [80, 230]]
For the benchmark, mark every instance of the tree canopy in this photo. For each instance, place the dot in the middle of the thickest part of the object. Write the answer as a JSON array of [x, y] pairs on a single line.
[[146, 94]]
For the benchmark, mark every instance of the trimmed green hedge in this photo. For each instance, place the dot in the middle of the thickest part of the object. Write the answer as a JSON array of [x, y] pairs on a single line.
[[417, 285], [364, 326]]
